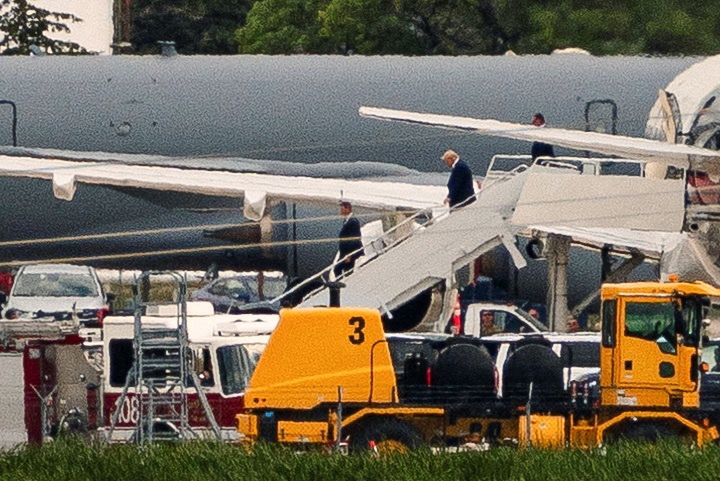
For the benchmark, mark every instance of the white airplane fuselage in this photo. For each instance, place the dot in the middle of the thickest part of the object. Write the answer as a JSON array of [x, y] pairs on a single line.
[[300, 109]]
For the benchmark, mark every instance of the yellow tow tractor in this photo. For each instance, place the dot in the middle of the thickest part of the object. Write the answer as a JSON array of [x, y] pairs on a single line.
[[327, 375]]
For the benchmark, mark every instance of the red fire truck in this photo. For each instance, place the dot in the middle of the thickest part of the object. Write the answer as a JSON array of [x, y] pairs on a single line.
[[74, 377]]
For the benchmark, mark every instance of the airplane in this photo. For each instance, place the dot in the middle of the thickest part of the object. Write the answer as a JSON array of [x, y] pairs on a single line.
[[65, 175], [604, 209], [648, 203], [565, 202], [235, 112]]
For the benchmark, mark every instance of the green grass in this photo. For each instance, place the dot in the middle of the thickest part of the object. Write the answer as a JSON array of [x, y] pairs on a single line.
[[69, 460], [159, 292]]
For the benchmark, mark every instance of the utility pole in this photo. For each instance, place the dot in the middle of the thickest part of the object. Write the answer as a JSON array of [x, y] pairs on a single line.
[[122, 26]]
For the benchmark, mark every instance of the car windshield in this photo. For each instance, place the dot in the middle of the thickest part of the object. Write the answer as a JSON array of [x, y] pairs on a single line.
[[237, 289], [246, 289], [55, 285], [272, 287]]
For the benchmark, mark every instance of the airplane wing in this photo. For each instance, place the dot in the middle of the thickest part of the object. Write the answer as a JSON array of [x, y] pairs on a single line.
[[679, 155], [255, 188], [622, 241]]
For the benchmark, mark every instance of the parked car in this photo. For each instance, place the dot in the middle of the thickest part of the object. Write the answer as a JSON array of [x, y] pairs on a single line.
[[242, 293], [57, 291]]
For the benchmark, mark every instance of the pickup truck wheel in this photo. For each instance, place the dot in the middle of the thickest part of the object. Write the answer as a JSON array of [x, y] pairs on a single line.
[[387, 436]]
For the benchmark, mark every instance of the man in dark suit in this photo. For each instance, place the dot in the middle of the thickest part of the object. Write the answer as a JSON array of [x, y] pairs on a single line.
[[460, 183], [540, 149], [349, 240]]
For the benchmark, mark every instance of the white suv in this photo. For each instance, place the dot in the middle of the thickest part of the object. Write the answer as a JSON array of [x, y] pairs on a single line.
[[47, 291]]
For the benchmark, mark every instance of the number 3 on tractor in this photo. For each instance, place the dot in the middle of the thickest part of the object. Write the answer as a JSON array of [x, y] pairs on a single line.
[[358, 335]]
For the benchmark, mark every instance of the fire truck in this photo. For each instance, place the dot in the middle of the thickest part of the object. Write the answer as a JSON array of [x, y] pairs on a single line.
[[74, 378], [327, 377]]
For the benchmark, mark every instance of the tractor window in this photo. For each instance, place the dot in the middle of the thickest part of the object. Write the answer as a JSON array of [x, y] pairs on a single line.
[[654, 321], [608, 323], [692, 308]]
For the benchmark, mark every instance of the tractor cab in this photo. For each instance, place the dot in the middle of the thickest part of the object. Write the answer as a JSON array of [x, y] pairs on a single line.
[[651, 343]]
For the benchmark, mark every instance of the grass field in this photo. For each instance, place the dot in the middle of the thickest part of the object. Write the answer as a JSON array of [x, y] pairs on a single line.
[[159, 292], [69, 460]]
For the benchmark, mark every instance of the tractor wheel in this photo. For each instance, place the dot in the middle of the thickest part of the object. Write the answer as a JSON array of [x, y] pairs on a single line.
[[646, 432], [385, 436]]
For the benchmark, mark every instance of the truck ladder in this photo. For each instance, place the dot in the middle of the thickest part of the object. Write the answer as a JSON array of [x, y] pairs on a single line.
[[162, 372]]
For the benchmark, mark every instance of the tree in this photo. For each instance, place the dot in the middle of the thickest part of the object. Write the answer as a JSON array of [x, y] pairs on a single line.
[[373, 27], [283, 27], [607, 27], [426, 27], [23, 25], [455, 27], [196, 26], [367, 27]]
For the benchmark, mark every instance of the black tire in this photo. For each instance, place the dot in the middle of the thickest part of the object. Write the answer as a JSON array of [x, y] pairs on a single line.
[[388, 435], [645, 431], [536, 364], [464, 373]]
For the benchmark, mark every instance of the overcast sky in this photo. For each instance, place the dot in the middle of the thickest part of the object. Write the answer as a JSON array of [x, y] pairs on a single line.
[[95, 32]]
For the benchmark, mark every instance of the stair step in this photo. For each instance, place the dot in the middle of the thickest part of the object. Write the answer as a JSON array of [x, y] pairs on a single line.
[[159, 333], [161, 363], [160, 343]]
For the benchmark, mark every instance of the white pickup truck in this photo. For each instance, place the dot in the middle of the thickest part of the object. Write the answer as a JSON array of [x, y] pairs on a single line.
[[500, 318], [44, 291]]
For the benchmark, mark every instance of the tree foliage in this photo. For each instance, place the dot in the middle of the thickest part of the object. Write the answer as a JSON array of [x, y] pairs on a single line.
[[406, 27], [23, 25], [196, 26], [283, 27], [456, 27]]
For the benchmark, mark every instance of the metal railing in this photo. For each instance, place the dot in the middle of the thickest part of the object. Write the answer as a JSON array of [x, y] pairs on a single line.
[[14, 119]]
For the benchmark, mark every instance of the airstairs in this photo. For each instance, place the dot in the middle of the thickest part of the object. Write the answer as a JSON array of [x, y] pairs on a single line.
[[161, 373], [430, 253], [570, 192]]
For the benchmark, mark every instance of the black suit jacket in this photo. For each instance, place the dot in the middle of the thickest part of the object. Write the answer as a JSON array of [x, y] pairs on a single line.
[[541, 149], [460, 184], [350, 228]]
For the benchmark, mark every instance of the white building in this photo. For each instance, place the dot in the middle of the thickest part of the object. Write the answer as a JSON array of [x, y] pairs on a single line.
[[95, 32]]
